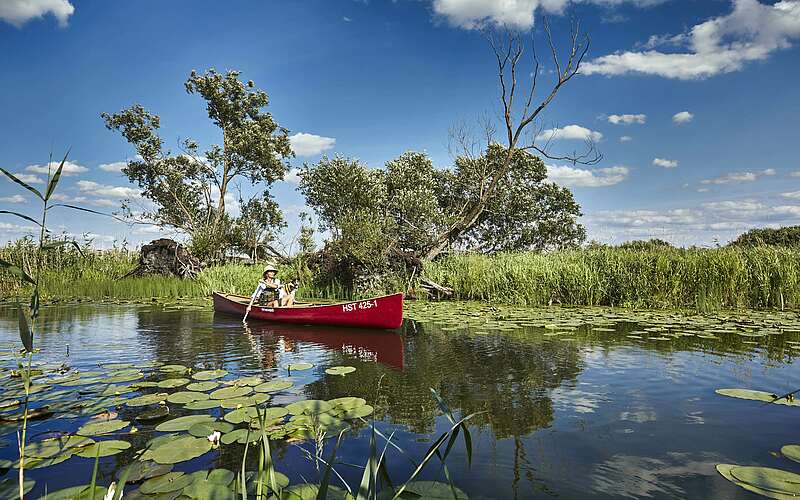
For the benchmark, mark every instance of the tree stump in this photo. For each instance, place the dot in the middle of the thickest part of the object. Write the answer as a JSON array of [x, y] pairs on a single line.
[[166, 257]]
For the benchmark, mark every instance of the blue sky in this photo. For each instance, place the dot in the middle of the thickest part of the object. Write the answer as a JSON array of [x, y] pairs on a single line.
[[692, 103]]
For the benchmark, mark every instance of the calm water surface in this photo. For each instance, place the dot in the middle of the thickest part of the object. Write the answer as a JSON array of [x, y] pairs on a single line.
[[588, 414]]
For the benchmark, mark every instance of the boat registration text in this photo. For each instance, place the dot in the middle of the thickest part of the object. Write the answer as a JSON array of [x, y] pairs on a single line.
[[363, 305]]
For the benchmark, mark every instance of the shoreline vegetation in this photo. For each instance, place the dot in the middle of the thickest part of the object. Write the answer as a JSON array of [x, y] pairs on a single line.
[[756, 277]]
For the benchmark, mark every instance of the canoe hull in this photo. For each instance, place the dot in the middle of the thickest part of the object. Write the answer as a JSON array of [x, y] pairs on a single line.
[[379, 312]]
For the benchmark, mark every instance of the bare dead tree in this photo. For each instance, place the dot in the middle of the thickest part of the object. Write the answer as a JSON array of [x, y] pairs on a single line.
[[519, 114]]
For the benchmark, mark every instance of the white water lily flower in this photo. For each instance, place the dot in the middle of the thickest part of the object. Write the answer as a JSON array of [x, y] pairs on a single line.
[[214, 437], [112, 488]]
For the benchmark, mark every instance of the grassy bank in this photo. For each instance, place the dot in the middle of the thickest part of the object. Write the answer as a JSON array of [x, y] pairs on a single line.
[[703, 279]]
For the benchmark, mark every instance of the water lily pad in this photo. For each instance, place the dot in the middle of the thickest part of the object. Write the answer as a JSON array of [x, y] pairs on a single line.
[[205, 429], [83, 492], [137, 471], [241, 436], [251, 381], [431, 490], [756, 396], [252, 400], [274, 386], [791, 451], [340, 370], [309, 407], [9, 488], [206, 404], [231, 392], [767, 478], [267, 480], [725, 471], [310, 491], [116, 390], [172, 383], [209, 374], [147, 399], [173, 368], [184, 423], [48, 448], [104, 448], [171, 481], [360, 412], [124, 376], [156, 413], [347, 403], [202, 386], [215, 486], [241, 415], [299, 366], [104, 427], [182, 449], [184, 397]]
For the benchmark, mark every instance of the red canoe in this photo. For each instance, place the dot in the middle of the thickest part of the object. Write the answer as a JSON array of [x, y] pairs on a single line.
[[378, 312]]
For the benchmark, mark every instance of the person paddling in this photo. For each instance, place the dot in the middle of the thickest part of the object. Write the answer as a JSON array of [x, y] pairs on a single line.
[[270, 292]]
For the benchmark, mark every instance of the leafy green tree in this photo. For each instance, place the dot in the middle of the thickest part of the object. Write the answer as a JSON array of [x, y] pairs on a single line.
[[651, 244], [788, 236], [257, 228], [526, 212], [188, 190]]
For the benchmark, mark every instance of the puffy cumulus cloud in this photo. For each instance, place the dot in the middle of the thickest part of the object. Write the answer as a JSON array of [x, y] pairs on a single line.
[[627, 119], [19, 12], [579, 177], [27, 178], [116, 166], [13, 199], [309, 144], [70, 168], [662, 162], [569, 132], [682, 117], [103, 191], [794, 195], [724, 44], [625, 138], [475, 14]]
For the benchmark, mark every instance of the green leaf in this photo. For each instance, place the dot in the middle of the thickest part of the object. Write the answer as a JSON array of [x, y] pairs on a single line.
[[17, 271], [34, 305], [25, 333], [23, 184], [22, 216], [55, 244], [51, 186]]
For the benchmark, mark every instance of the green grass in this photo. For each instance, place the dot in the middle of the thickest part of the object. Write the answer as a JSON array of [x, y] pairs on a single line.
[[702, 279]]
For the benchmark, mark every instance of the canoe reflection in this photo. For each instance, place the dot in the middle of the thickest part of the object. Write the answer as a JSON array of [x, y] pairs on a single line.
[[380, 346]]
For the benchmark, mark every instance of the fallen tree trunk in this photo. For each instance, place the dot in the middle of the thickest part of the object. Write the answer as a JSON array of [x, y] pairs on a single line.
[[166, 257], [435, 290]]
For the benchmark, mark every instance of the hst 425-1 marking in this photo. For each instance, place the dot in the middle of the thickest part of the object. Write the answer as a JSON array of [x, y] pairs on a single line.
[[362, 306]]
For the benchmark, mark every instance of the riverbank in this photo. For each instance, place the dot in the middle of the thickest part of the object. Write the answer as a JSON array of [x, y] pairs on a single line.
[[660, 278]]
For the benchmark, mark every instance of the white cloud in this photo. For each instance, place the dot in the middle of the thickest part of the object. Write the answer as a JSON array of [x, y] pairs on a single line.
[[13, 199], [27, 178], [796, 173], [682, 117], [100, 190], [309, 144], [578, 177], [736, 206], [292, 176], [569, 132], [116, 166], [18, 12], [768, 171], [625, 138], [69, 168], [751, 32], [794, 195], [732, 177], [627, 119], [475, 14], [661, 162]]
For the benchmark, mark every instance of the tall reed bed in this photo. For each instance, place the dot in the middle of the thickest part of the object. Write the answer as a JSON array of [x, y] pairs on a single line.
[[704, 279]]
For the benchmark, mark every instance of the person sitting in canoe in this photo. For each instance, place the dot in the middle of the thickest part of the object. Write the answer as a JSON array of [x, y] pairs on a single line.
[[270, 292]]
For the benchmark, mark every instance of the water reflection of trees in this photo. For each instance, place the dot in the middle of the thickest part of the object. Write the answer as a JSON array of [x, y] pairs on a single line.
[[508, 379]]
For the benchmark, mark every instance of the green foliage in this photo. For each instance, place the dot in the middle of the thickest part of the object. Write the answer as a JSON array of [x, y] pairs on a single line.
[[662, 278], [188, 189], [651, 244], [785, 237]]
